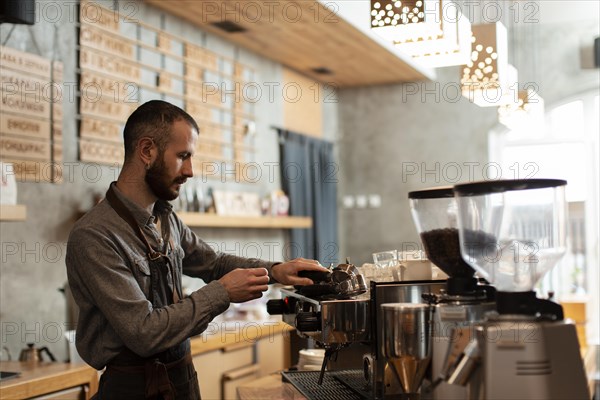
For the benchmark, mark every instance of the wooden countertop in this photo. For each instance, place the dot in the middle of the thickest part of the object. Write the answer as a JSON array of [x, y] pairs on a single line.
[[48, 377], [236, 333], [45, 378]]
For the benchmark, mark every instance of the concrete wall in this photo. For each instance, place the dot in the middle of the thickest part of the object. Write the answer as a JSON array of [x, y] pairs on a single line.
[[400, 138], [31, 307]]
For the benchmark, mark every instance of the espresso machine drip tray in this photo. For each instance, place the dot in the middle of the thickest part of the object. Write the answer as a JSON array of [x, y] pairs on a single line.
[[337, 385]]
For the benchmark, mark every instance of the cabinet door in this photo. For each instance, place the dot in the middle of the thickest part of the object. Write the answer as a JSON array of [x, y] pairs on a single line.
[[76, 393], [232, 379], [212, 366], [209, 369], [273, 354]]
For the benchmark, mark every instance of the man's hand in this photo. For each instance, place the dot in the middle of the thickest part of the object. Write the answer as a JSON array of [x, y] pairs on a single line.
[[245, 284], [287, 272]]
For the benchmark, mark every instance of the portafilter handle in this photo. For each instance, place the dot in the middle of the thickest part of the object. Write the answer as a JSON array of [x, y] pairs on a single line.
[[315, 276]]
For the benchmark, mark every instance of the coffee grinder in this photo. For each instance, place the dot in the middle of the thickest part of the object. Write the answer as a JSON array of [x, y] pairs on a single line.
[[463, 301], [513, 232]]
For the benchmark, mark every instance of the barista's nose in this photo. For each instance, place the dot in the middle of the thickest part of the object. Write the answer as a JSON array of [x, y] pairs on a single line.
[[188, 169]]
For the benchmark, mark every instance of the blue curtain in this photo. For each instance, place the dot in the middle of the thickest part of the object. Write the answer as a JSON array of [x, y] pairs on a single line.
[[309, 176]]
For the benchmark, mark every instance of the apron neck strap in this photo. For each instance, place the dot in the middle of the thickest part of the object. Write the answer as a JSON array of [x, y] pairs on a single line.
[[126, 215]]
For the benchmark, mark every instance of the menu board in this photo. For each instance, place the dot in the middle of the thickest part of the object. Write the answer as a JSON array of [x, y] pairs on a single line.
[[124, 63], [31, 115]]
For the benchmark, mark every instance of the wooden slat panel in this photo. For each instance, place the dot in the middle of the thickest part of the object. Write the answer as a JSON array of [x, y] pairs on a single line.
[[22, 148], [302, 112], [101, 129], [126, 70], [24, 62], [306, 35], [107, 109], [101, 40], [20, 125], [110, 60], [101, 153], [15, 212]]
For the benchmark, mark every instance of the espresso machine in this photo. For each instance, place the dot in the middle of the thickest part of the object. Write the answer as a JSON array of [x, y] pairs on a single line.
[[335, 313], [463, 300], [513, 232], [338, 315]]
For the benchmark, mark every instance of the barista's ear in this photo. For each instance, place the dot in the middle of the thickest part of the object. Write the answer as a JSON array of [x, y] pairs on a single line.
[[147, 150]]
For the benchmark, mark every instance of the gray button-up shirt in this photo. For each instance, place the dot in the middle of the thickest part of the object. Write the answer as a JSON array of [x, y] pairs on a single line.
[[109, 276]]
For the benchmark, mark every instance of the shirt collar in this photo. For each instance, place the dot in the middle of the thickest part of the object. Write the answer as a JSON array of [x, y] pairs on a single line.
[[141, 215]]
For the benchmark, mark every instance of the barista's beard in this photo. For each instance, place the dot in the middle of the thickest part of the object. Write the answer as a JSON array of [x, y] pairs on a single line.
[[159, 183]]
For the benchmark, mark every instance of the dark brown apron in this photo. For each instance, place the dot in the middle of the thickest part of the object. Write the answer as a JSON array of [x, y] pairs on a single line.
[[169, 375]]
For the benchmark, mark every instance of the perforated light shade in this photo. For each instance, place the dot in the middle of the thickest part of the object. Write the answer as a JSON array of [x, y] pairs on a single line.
[[434, 32], [452, 48], [402, 21], [487, 79], [526, 112]]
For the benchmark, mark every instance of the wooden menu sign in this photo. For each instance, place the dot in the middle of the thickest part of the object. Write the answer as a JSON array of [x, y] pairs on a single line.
[[19, 125], [24, 62], [106, 64], [101, 153], [97, 39], [94, 128], [123, 62], [57, 118], [24, 148], [31, 113]]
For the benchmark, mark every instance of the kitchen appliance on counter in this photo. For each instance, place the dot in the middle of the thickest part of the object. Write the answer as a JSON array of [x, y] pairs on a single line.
[[331, 311], [344, 319], [32, 354], [513, 232], [462, 301]]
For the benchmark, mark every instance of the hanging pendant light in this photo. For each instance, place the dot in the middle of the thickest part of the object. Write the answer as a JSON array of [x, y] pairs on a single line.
[[434, 32], [407, 20], [488, 80], [453, 49], [527, 112]]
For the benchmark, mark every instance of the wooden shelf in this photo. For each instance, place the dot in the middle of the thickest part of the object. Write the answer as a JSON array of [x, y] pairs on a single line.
[[16, 212], [216, 221], [304, 36]]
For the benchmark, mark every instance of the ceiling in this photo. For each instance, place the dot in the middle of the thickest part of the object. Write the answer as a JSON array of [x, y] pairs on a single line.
[[305, 36]]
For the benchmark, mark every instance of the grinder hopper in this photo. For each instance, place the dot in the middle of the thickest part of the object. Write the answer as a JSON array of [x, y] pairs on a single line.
[[434, 213]]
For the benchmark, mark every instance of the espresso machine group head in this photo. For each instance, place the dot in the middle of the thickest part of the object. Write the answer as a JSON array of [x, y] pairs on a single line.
[[512, 232]]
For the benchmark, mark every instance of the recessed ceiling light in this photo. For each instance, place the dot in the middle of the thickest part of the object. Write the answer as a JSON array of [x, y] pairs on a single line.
[[229, 27]]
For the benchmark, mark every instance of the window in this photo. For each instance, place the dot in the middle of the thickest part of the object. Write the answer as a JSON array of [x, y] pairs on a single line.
[[565, 147]]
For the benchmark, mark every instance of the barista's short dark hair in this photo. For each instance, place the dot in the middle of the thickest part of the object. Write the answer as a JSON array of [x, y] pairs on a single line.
[[153, 119]]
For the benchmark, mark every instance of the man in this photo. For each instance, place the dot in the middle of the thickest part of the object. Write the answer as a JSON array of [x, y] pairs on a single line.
[[125, 259]]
